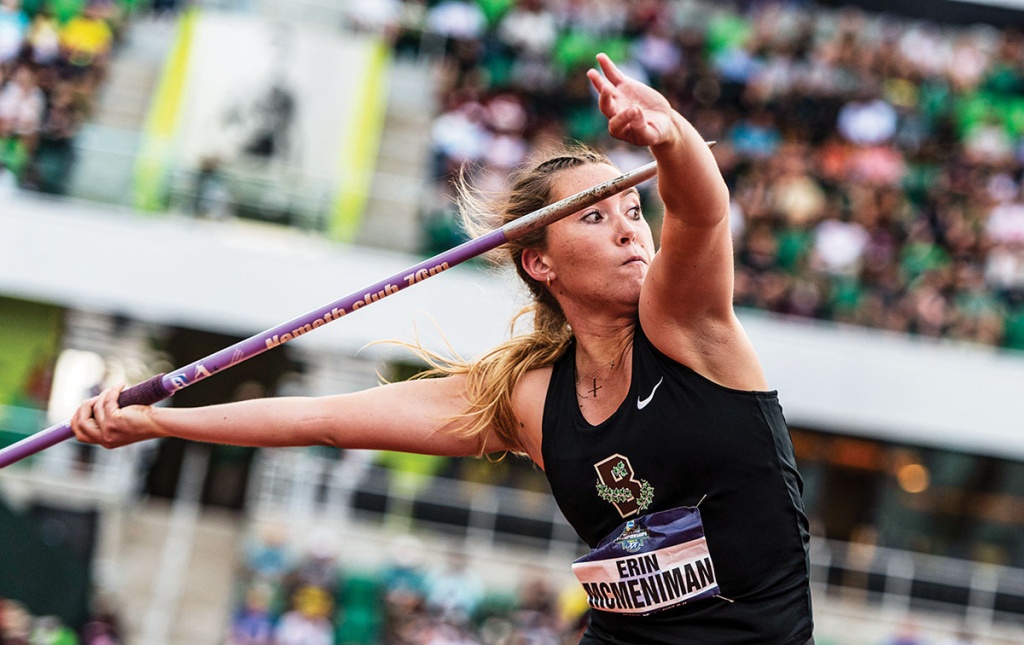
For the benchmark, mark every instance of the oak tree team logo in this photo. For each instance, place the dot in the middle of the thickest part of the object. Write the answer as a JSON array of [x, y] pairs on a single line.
[[618, 485]]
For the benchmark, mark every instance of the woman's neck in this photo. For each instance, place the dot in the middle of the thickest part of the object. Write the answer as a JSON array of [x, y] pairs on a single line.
[[603, 340], [594, 351], [600, 336], [601, 364]]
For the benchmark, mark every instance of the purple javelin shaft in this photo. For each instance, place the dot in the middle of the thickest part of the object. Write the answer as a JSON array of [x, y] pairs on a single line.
[[161, 386]]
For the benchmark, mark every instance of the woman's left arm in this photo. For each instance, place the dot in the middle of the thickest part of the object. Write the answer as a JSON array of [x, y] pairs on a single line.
[[686, 303]]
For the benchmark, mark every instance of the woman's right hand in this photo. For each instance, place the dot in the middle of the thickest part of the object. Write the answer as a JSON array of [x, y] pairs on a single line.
[[101, 421], [636, 113]]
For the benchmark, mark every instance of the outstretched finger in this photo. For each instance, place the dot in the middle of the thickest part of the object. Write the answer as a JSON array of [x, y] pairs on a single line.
[[599, 82], [611, 72], [605, 92]]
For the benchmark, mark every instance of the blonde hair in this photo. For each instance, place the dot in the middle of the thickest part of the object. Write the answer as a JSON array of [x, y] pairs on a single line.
[[491, 378]]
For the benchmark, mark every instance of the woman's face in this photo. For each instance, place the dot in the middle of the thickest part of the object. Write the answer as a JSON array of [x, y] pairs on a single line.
[[599, 254]]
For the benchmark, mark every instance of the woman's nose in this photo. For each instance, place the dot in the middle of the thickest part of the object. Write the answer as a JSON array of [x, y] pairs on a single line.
[[627, 231]]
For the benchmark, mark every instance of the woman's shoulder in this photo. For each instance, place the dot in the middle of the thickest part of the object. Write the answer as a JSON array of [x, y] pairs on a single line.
[[528, 397], [531, 390]]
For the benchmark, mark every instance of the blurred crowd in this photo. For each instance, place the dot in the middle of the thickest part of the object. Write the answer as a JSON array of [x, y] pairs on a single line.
[[311, 597], [54, 57], [320, 594], [875, 162], [19, 627]]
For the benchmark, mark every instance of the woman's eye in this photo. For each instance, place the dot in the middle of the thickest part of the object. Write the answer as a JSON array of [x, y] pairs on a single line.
[[636, 212], [592, 216]]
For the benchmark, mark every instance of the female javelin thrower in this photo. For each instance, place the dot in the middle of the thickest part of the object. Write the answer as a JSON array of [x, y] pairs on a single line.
[[637, 392]]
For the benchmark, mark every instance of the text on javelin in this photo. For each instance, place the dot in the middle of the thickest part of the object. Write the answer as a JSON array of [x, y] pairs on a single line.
[[338, 312]]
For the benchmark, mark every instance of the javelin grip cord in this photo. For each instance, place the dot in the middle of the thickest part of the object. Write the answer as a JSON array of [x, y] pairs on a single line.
[[148, 392]]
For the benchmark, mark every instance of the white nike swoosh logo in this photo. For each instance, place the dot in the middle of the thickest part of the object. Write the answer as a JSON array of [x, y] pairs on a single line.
[[642, 403]]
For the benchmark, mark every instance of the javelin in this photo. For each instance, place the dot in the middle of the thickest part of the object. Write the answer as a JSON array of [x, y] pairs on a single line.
[[162, 386]]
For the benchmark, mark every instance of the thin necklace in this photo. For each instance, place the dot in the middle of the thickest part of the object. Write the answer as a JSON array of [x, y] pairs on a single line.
[[591, 392]]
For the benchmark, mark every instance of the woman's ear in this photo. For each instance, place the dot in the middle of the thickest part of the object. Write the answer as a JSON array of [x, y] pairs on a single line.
[[536, 266]]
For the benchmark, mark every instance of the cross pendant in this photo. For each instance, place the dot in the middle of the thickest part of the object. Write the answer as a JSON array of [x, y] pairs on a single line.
[[594, 389]]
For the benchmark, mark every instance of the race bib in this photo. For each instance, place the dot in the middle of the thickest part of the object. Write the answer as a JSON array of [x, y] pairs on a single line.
[[649, 564]]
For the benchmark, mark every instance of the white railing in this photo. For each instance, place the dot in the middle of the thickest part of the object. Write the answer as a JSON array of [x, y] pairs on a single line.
[[981, 594], [305, 485], [309, 485]]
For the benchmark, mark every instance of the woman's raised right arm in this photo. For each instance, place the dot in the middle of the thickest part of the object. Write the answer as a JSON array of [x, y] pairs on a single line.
[[411, 416]]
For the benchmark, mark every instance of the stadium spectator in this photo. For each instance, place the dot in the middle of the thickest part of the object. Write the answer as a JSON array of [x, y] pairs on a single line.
[[454, 592], [253, 622], [404, 574], [537, 618], [268, 556], [13, 28], [756, 136], [529, 31], [22, 105], [87, 41], [55, 155], [102, 628], [458, 20], [49, 630], [318, 569], [15, 623], [867, 120], [459, 135], [525, 39], [308, 623], [43, 40]]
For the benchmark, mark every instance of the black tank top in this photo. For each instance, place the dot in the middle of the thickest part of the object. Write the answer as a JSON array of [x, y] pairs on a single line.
[[676, 440]]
